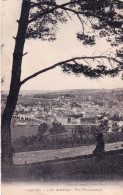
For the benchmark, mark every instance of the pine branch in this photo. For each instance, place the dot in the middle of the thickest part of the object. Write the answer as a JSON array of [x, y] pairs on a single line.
[[68, 63], [39, 72], [62, 6], [81, 21], [25, 53]]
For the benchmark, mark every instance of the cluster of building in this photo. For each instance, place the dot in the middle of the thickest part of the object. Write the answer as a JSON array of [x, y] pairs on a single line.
[[87, 113]]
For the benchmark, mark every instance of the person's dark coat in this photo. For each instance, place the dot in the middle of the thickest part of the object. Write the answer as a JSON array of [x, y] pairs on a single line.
[[99, 150]]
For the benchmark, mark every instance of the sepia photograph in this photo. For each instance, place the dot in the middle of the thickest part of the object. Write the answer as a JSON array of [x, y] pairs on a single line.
[[61, 97]]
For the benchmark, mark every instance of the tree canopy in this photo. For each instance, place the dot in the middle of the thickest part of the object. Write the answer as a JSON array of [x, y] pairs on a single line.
[[98, 19]]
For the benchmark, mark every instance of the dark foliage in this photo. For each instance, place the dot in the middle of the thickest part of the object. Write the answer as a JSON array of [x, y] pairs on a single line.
[[104, 16], [57, 128], [36, 142], [42, 128], [45, 27], [86, 39], [89, 71]]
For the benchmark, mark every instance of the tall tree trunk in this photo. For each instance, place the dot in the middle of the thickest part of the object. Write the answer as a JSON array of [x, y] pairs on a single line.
[[15, 85]]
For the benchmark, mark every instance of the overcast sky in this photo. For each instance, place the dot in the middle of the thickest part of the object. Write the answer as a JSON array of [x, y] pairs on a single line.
[[44, 54]]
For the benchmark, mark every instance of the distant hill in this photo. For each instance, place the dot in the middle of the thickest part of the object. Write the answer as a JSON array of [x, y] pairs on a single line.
[[68, 91], [28, 92]]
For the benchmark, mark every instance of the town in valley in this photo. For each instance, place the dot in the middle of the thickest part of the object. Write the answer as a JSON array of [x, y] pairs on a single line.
[[67, 118]]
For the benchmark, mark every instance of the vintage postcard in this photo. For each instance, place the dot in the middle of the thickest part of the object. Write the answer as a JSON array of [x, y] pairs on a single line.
[[61, 97]]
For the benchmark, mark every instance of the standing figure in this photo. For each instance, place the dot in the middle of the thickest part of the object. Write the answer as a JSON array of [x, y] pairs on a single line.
[[99, 150]]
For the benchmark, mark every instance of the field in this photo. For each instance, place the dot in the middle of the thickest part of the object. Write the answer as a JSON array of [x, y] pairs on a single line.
[[45, 155], [25, 130]]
